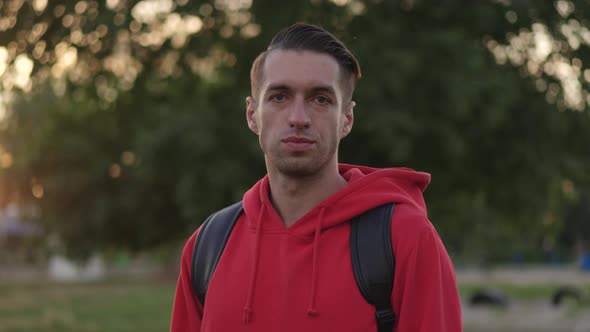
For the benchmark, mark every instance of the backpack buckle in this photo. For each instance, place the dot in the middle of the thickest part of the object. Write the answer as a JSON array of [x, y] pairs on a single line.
[[385, 316]]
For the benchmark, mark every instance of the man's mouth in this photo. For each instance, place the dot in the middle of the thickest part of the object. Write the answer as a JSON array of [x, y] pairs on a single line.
[[297, 139], [298, 143]]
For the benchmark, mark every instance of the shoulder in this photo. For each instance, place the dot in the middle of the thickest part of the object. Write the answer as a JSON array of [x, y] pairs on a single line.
[[217, 225], [410, 227], [187, 250], [228, 213]]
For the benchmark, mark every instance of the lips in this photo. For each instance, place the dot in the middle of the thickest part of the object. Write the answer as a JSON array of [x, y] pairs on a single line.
[[298, 143], [297, 139]]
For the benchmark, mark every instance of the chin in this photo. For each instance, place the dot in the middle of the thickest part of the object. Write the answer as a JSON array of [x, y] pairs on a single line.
[[298, 168]]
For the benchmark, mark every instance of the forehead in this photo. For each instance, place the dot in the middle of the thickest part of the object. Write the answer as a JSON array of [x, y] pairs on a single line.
[[303, 69]]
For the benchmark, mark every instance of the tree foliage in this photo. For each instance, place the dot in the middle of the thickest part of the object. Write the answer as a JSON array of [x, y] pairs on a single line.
[[131, 129]]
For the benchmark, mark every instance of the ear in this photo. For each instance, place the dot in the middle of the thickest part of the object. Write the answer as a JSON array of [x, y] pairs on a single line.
[[348, 119], [251, 115]]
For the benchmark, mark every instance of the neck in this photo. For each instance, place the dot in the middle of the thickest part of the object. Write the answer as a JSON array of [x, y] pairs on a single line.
[[294, 196]]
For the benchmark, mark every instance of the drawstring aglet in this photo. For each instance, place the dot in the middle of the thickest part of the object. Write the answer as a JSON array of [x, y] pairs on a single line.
[[247, 317], [312, 312]]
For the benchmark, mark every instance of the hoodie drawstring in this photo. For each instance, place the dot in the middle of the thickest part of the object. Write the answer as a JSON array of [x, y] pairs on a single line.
[[247, 317], [312, 311]]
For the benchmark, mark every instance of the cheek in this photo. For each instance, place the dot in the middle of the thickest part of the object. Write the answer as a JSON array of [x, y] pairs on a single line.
[[265, 134], [270, 122], [263, 141]]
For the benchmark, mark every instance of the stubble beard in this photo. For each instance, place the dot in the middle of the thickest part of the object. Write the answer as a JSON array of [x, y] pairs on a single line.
[[298, 165]]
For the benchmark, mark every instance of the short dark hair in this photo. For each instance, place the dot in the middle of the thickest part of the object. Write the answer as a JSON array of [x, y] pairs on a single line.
[[309, 37]]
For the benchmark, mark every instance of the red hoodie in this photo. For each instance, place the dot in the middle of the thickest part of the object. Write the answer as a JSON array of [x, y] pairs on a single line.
[[274, 278]]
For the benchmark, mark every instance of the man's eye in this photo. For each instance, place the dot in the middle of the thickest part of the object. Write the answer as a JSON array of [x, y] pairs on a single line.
[[322, 100], [278, 97]]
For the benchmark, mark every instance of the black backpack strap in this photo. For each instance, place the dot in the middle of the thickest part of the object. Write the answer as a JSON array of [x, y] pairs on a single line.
[[209, 246], [373, 263]]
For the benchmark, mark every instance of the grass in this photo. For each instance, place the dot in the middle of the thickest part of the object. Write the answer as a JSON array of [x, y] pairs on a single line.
[[133, 305], [114, 306]]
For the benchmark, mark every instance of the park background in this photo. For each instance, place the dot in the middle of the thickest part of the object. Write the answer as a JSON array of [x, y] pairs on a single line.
[[122, 126]]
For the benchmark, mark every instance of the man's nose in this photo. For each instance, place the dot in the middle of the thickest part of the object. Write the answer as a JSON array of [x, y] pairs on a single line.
[[298, 117]]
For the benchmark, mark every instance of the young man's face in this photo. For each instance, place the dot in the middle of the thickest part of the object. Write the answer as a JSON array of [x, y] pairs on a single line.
[[298, 113]]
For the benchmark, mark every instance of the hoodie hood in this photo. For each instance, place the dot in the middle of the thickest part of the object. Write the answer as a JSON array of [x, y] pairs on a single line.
[[367, 188]]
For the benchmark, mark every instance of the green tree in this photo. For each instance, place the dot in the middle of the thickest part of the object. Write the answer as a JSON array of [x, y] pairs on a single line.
[[132, 128]]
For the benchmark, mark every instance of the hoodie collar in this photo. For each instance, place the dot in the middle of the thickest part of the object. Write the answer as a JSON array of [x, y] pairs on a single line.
[[367, 188]]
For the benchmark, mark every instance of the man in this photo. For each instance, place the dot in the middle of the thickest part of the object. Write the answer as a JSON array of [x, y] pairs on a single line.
[[287, 264]]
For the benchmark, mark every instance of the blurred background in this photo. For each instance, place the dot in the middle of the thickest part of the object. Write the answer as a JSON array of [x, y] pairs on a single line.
[[122, 126]]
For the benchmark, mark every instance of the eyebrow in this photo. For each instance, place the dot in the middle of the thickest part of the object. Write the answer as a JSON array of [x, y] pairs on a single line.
[[316, 89], [278, 87], [324, 88]]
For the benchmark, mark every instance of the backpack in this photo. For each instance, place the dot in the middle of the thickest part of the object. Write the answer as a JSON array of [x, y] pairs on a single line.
[[370, 251]]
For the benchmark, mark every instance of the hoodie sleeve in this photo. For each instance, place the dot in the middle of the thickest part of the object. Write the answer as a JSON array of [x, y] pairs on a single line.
[[186, 311], [425, 292]]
